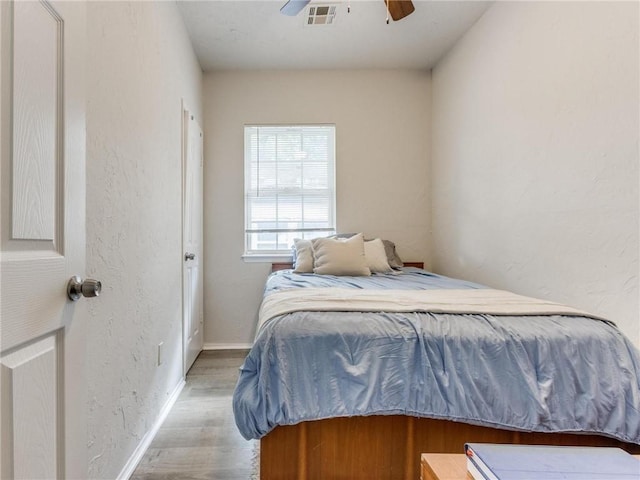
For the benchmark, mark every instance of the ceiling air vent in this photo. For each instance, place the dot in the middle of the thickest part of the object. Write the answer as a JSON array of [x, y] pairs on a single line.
[[321, 15]]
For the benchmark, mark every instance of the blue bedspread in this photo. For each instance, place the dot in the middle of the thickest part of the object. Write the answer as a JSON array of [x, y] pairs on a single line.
[[533, 373]]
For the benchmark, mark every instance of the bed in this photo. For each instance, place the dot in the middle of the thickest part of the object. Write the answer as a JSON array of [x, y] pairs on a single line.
[[353, 376]]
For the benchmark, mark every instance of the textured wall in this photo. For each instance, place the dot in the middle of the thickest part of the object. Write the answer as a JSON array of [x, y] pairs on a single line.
[[382, 125], [140, 65], [535, 155]]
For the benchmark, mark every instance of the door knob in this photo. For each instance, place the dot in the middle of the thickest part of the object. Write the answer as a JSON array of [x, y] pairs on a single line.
[[77, 288], [189, 256]]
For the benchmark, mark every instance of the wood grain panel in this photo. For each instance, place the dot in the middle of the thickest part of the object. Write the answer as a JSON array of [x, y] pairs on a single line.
[[31, 315], [386, 447], [30, 398], [334, 446], [443, 466], [37, 130]]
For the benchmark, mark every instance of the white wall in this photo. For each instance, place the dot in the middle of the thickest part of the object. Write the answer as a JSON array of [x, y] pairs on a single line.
[[140, 65], [535, 155], [382, 125]]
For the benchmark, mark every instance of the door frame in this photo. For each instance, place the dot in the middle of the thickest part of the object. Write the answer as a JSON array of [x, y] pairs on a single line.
[[186, 115]]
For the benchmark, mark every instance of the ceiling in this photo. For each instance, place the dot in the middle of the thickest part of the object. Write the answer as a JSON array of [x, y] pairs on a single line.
[[254, 35]]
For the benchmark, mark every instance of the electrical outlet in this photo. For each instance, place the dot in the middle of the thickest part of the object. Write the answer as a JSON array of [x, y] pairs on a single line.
[[160, 353]]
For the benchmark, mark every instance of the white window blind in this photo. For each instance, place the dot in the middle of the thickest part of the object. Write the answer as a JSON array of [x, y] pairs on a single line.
[[289, 185]]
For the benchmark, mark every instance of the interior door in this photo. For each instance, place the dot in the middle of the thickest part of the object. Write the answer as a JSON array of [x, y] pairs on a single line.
[[192, 240], [42, 178]]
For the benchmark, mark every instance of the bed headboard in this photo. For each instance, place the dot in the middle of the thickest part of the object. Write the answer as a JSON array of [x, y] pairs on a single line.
[[285, 265]]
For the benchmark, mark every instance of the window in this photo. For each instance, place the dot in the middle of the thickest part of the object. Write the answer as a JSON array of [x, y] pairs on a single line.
[[289, 185]]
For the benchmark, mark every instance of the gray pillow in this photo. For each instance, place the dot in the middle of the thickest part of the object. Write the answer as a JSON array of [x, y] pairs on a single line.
[[392, 256]]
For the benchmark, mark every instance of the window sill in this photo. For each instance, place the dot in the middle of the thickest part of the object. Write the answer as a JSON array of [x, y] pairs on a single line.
[[267, 258]]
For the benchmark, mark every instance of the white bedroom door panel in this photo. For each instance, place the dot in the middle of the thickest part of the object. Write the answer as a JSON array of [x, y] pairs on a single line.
[[42, 240], [193, 319]]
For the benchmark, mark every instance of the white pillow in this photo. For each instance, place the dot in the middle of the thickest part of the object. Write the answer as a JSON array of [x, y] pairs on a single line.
[[304, 256], [376, 256], [340, 257]]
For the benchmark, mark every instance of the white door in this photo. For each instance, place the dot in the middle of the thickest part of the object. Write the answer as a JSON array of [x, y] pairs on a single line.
[[192, 288], [42, 158]]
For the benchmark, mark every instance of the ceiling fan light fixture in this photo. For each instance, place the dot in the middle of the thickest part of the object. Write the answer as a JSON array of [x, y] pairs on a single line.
[[398, 9]]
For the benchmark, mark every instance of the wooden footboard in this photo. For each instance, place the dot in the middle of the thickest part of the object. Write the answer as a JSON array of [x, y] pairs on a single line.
[[384, 447]]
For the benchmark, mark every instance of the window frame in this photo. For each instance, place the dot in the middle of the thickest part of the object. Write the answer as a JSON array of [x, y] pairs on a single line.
[[252, 254]]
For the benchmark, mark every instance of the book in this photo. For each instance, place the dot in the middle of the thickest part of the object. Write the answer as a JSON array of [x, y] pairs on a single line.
[[488, 461]]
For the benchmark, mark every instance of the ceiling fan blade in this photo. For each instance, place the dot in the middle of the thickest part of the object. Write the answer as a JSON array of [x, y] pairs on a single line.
[[398, 9], [294, 7]]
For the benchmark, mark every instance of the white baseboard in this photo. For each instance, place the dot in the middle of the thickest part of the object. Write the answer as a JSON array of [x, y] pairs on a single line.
[[139, 452], [227, 346]]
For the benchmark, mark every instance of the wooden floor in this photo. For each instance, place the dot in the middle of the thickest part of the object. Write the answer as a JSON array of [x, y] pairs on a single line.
[[199, 439]]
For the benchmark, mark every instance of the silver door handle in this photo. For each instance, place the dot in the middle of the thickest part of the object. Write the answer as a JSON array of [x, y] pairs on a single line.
[[77, 288], [189, 256]]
